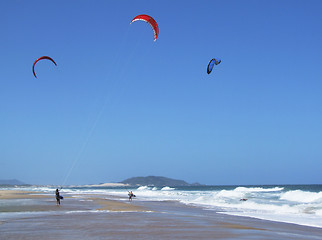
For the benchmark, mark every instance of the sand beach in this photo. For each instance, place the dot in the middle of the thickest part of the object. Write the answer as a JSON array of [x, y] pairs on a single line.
[[35, 215]]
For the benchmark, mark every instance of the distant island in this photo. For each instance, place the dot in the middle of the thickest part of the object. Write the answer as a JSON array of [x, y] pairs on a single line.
[[157, 181], [11, 182]]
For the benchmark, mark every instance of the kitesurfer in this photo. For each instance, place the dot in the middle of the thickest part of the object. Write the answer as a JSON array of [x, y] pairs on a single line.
[[58, 197], [131, 195]]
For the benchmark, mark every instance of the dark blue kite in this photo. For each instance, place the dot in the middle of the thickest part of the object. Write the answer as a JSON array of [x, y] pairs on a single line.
[[212, 63]]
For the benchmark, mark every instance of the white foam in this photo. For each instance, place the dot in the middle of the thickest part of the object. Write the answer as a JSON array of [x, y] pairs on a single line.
[[143, 188], [229, 194], [167, 189], [319, 212], [258, 189], [302, 196]]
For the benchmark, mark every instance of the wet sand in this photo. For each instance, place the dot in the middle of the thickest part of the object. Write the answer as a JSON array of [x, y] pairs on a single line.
[[12, 194], [117, 206], [26, 215]]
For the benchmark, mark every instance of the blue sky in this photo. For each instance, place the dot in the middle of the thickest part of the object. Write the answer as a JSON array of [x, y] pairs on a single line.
[[120, 105]]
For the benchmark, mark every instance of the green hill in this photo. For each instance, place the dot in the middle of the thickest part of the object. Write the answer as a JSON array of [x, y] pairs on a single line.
[[156, 181], [11, 182]]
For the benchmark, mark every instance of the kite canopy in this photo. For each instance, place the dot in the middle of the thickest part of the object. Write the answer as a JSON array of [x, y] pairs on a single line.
[[149, 20], [212, 63], [41, 58]]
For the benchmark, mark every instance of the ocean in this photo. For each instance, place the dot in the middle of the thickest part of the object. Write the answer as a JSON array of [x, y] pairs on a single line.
[[297, 204]]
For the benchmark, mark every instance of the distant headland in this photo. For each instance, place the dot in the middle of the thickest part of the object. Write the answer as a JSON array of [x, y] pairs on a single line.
[[157, 181], [11, 182]]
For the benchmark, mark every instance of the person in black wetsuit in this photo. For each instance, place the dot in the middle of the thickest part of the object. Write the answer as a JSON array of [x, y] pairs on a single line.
[[58, 197]]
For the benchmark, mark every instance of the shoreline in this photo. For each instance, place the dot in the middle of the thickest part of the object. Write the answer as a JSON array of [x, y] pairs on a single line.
[[94, 216]]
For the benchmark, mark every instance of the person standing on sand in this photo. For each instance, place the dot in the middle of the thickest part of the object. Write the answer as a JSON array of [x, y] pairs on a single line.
[[131, 195], [58, 197]]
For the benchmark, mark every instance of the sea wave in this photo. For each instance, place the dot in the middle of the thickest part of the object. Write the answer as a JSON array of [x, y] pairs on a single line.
[[167, 189], [258, 189], [141, 188], [302, 196]]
